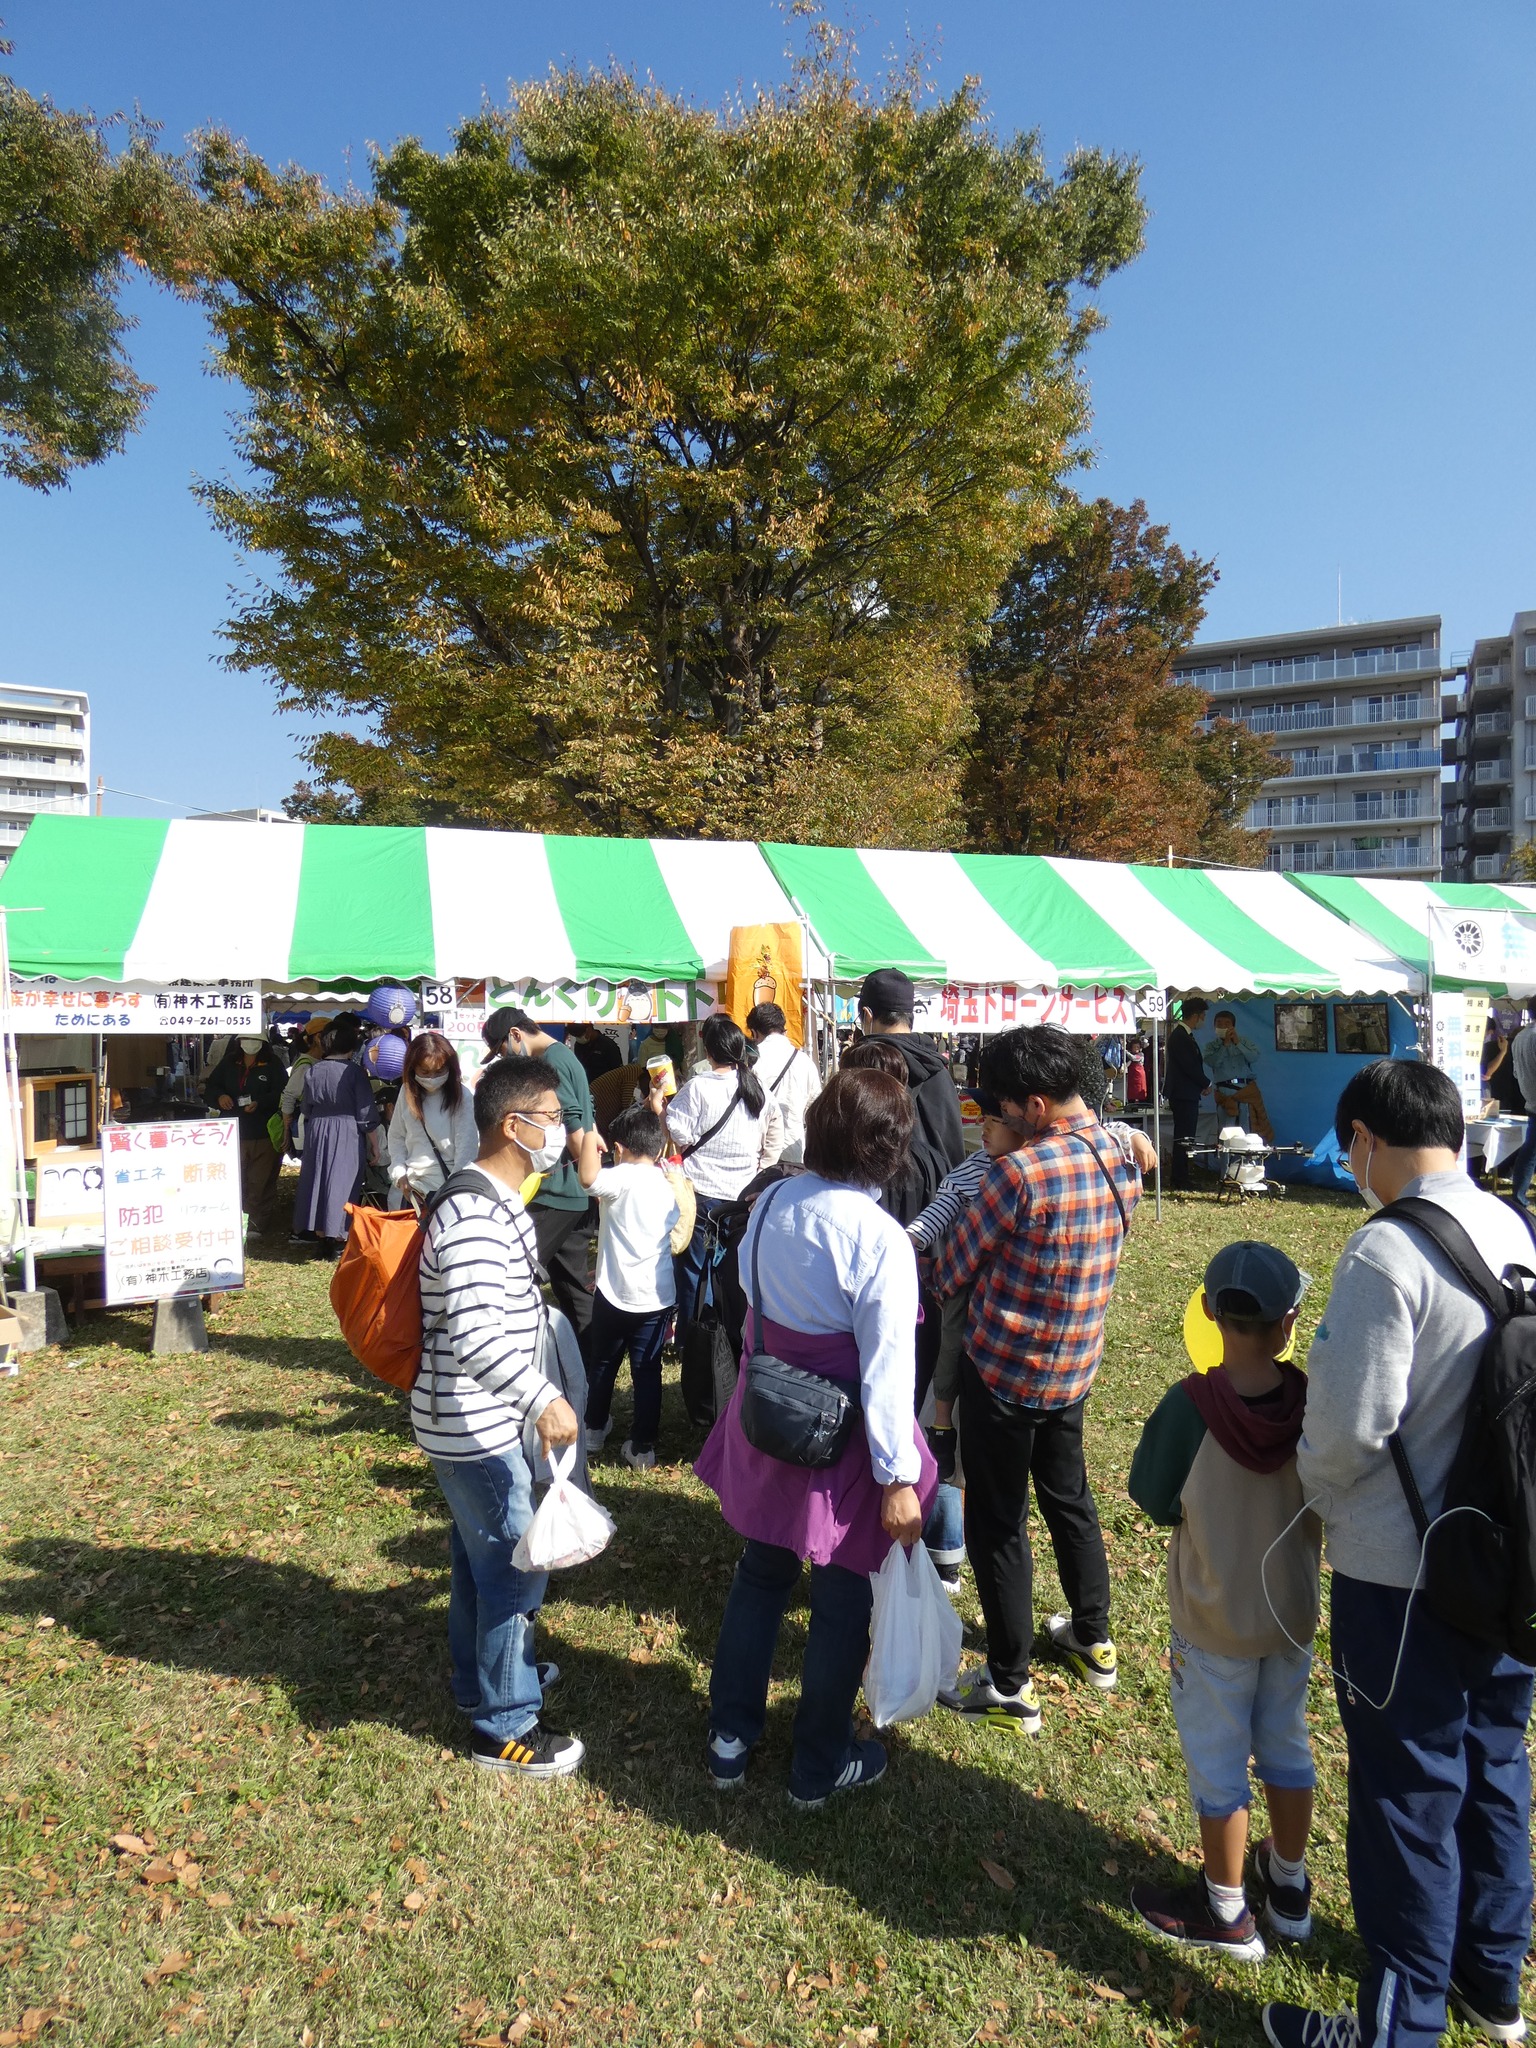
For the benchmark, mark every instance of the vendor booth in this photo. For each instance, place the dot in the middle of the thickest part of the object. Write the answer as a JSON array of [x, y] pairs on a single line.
[[136, 942]]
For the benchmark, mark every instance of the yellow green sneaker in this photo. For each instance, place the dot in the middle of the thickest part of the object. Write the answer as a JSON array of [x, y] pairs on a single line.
[[1094, 1661], [978, 1699]]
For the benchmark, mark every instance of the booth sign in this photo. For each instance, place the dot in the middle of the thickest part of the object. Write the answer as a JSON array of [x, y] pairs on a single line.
[[610, 1002], [48, 1006], [173, 1209], [1000, 1006]]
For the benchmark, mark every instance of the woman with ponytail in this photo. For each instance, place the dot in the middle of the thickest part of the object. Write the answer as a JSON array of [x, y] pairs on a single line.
[[726, 1130]]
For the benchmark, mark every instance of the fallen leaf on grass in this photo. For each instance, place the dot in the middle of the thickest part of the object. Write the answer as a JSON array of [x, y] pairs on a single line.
[[158, 1871], [1178, 2004], [282, 1919], [1105, 1991], [1110, 1867], [168, 1966], [218, 1898], [414, 1901], [1003, 1879], [130, 1845]]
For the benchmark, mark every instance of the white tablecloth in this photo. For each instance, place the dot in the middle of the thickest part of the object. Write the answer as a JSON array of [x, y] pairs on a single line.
[[1495, 1139]]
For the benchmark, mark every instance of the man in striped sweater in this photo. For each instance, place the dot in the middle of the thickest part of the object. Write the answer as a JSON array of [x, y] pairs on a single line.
[[480, 1384]]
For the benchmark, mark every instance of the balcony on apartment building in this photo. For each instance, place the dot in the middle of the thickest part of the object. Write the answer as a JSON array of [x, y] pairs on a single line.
[[1321, 668], [1487, 867], [1488, 774], [1316, 761], [1351, 857], [1399, 709], [1274, 813], [1486, 679]]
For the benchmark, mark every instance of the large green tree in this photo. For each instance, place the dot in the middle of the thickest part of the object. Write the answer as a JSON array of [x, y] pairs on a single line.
[[638, 468], [74, 212], [1083, 744]]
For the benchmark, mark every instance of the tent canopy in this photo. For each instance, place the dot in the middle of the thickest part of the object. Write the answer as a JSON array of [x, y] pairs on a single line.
[[1395, 915], [140, 900]]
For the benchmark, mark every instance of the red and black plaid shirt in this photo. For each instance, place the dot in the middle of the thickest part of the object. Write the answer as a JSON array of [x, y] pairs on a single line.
[[1041, 1241]]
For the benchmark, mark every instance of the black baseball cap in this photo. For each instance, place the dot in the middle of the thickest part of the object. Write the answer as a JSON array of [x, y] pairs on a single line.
[[888, 990], [1252, 1279]]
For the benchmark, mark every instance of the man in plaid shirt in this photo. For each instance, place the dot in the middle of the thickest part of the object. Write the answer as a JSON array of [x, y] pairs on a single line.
[[1041, 1243]]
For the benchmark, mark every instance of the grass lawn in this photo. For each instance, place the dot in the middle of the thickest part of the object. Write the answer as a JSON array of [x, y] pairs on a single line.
[[237, 1806]]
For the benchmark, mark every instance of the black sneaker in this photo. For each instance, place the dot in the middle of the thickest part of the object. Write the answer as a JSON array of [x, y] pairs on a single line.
[[944, 1444], [1298, 2026], [975, 1696], [549, 1676], [1183, 1914], [537, 1754], [1286, 1909], [865, 1766], [1490, 2016]]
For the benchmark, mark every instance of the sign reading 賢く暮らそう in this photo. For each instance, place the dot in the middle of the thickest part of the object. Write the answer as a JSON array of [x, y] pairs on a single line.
[[172, 1196]]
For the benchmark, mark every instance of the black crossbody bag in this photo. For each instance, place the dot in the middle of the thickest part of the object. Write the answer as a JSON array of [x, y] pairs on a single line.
[[800, 1418]]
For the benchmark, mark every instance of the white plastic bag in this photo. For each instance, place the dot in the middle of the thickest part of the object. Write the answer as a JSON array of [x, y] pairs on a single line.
[[915, 1638], [568, 1526]]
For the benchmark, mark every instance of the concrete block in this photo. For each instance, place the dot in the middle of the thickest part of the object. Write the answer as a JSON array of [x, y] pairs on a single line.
[[179, 1325], [41, 1316]]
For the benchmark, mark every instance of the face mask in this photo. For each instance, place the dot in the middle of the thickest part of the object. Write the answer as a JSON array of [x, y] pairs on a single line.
[[431, 1082], [1368, 1194], [252, 1045], [551, 1152]]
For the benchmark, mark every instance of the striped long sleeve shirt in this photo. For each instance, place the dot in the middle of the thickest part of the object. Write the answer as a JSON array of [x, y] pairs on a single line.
[[481, 1316]]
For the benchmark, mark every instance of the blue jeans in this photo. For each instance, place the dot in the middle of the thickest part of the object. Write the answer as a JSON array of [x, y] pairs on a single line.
[[836, 1651], [491, 1604], [611, 1332], [1522, 1167], [944, 1530], [688, 1264], [1439, 1843]]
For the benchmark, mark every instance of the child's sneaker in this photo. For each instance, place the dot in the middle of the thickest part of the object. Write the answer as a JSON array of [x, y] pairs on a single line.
[[638, 1457], [536, 1754], [1286, 1908], [944, 1444], [865, 1766], [979, 1699], [1300, 2026], [596, 1438], [1094, 1661], [726, 1756], [1184, 1914]]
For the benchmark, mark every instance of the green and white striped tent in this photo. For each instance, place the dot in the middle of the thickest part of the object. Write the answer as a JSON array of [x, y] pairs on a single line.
[[1395, 915], [126, 900]]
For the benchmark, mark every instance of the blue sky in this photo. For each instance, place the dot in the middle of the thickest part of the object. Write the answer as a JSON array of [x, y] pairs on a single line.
[[1322, 364]]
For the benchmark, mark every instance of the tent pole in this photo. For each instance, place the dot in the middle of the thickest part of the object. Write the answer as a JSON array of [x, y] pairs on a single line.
[[12, 1064], [1157, 1120]]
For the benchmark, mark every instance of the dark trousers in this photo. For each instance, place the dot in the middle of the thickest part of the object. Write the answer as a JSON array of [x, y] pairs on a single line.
[[565, 1238], [1185, 1111], [259, 1166], [688, 1265], [1007, 1447], [1522, 1167], [836, 1651], [611, 1332], [1439, 1842]]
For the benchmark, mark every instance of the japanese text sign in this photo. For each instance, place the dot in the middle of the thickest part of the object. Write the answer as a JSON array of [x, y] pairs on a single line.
[[80, 1006], [172, 1208]]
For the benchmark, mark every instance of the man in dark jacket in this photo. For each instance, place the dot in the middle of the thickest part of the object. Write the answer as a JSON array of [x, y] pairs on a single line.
[[1185, 1081], [248, 1082], [887, 1005]]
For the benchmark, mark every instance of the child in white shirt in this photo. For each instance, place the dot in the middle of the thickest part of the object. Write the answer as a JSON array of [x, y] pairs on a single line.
[[636, 1291]]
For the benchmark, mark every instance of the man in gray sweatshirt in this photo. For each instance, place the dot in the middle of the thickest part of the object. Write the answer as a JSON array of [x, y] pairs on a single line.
[[1439, 1784]]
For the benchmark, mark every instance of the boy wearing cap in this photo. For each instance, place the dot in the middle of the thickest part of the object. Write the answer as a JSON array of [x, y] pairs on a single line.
[[1217, 1464]]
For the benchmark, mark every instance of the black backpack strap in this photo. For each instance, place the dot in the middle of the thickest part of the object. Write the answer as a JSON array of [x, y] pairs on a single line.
[[1442, 1229], [719, 1124], [765, 1204]]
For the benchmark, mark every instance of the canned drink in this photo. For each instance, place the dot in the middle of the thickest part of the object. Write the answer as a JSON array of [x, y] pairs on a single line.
[[660, 1067]]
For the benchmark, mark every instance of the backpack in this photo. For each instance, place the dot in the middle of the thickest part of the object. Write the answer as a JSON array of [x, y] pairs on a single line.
[[708, 1360], [1479, 1570], [376, 1287]]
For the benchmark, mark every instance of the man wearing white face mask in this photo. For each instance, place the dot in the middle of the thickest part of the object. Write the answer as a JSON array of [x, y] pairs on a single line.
[[1439, 1785], [480, 1384], [248, 1083]]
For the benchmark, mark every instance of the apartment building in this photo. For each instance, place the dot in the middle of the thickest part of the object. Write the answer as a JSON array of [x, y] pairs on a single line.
[[1354, 715], [45, 757], [1490, 805]]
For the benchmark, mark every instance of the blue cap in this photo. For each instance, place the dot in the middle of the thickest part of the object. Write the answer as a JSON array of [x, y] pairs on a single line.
[[1271, 1284]]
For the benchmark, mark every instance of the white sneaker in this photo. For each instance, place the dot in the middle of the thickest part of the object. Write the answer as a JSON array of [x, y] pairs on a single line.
[[975, 1696], [638, 1461], [596, 1438]]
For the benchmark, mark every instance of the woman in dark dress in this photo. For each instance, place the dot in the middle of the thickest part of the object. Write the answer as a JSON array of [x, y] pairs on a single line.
[[339, 1111]]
